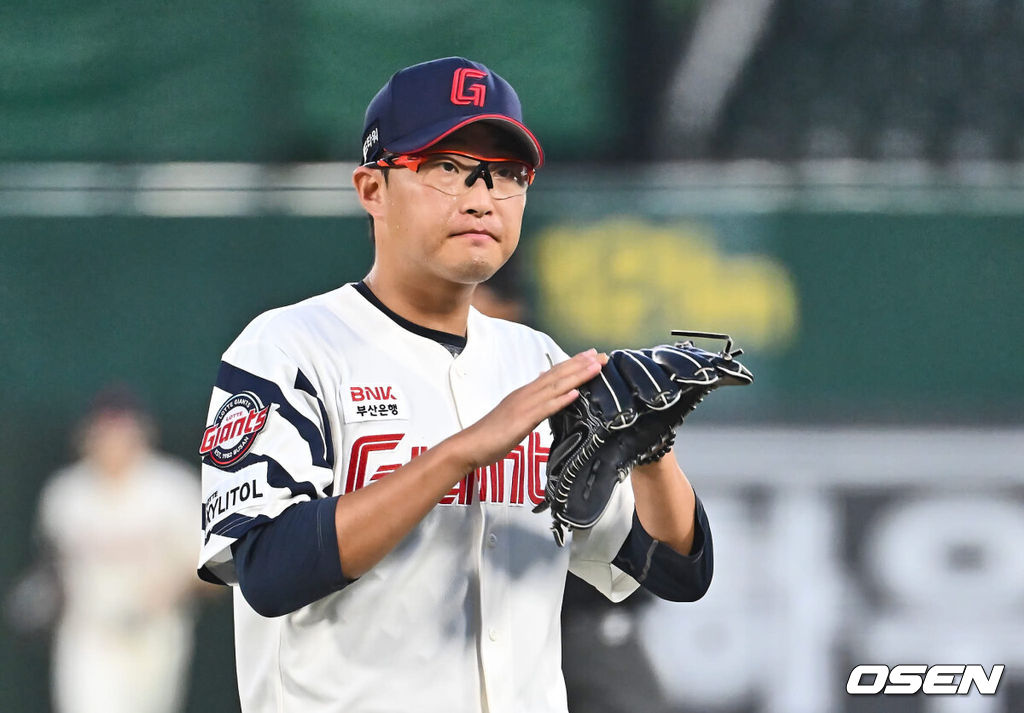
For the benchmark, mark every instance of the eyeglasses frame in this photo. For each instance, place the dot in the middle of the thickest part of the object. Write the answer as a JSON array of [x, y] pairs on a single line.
[[482, 169]]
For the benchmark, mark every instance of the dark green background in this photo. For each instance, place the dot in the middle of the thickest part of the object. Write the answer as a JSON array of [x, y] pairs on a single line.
[[275, 80]]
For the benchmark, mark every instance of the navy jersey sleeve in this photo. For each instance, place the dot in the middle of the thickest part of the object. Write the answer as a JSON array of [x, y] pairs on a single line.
[[665, 572], [292, 561]]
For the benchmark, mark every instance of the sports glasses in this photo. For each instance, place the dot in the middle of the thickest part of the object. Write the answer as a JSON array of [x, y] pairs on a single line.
[[452, 172]]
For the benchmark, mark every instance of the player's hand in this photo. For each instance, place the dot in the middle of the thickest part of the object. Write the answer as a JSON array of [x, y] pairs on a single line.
[[501, 430]]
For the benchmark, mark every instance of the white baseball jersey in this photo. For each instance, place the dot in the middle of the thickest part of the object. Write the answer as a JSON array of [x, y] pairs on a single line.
[[124, 550], [322, 398]]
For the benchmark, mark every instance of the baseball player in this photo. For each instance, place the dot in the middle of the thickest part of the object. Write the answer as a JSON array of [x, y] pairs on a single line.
[[119, 523], [372, 455]]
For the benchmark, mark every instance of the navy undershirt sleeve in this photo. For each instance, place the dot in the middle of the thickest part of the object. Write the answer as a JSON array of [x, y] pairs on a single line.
[[291, 561], [663, 571]]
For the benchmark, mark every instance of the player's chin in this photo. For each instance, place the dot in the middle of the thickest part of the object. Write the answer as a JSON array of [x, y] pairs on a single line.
[[473, 269], [474, 265]]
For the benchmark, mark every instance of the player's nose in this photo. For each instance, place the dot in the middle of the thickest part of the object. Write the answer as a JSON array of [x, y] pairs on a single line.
[[478, 199]]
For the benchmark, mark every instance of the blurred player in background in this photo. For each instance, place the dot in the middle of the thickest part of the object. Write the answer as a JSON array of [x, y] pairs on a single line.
[[120, 527]]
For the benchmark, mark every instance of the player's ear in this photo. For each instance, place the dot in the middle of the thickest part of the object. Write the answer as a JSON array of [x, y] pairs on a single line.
[[370, 186]]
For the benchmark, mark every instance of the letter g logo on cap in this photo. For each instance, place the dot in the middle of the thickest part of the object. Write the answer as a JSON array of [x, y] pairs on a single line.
[[474, 93]]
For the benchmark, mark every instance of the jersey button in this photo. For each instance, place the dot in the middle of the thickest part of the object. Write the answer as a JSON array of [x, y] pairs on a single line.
[[492, 634], [492, 540]]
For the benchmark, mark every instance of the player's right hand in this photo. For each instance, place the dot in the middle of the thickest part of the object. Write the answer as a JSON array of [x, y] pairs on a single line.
[[501, 430]]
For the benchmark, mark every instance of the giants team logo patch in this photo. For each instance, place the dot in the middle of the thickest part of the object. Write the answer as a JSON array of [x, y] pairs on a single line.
[[236, 425]]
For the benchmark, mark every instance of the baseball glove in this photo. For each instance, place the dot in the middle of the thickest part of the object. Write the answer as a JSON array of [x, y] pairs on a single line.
[[627, 416]]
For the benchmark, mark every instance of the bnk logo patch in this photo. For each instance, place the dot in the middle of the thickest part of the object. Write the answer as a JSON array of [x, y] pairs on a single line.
[[236, 425], [373, 402]]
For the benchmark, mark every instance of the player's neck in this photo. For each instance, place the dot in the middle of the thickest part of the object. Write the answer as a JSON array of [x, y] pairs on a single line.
[[444, 307]]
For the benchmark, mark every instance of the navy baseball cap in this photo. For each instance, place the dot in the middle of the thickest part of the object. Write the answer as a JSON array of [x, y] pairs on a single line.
[[422, 104]]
